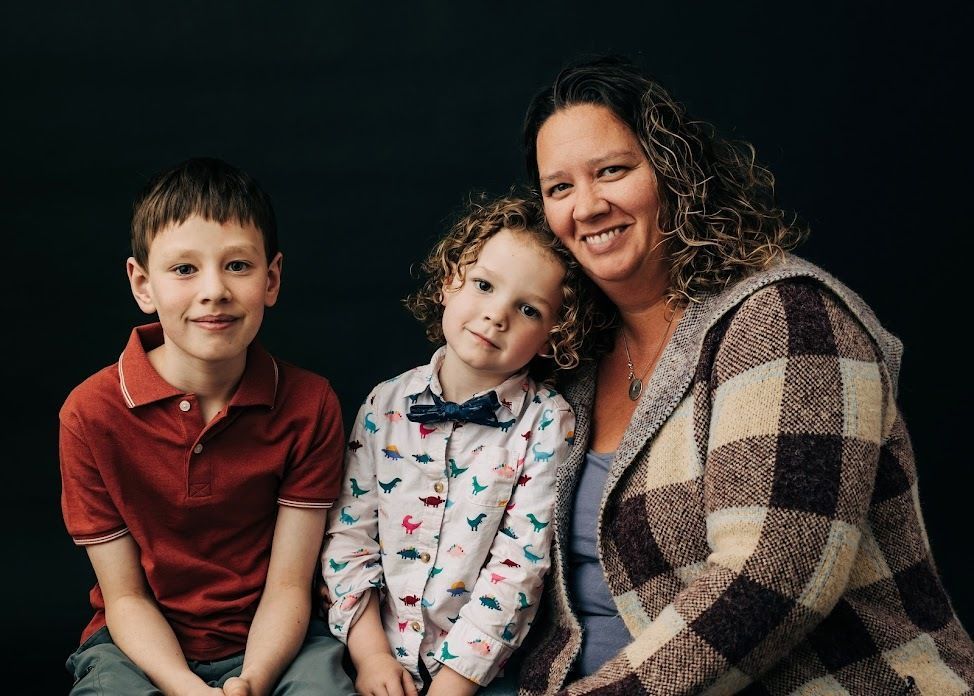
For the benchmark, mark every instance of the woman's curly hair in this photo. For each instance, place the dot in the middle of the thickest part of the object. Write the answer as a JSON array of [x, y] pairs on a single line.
[[717, 210], [583, 310]]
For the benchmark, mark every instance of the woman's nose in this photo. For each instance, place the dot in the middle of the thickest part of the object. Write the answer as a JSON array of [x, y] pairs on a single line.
[[589, 203]]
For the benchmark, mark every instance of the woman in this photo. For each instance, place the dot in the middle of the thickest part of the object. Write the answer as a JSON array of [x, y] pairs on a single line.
[[739, 511]]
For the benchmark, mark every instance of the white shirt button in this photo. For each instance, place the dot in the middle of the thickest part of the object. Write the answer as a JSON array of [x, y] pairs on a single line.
[[198, 449], [184, 405]]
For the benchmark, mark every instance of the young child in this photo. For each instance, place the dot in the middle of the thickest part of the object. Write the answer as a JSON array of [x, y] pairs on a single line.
[[197, 470], [439, 541]]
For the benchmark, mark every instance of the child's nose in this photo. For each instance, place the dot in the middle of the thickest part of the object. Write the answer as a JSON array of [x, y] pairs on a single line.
[[496, 315], [215, 287]]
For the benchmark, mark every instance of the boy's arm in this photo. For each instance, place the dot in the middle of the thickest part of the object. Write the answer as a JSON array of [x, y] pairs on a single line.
[[282, 617], [137, 626], [378, 671]]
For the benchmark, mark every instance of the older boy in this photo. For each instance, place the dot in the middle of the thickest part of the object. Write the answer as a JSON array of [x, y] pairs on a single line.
[[197, 470]]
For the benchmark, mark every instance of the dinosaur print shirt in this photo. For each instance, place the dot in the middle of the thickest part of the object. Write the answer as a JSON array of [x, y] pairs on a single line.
[[448, 522]]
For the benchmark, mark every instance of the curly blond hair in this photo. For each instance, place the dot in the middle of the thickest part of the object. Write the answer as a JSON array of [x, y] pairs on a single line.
[[717, 212], [583, 309]]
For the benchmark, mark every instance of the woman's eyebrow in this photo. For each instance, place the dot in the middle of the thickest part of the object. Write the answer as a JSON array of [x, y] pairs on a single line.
[[592, 163]]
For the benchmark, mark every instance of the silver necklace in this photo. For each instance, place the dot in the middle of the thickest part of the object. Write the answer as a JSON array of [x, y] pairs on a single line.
[[635, 383]]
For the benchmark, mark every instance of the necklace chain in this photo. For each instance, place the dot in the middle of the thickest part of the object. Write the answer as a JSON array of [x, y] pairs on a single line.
[[636, 383]]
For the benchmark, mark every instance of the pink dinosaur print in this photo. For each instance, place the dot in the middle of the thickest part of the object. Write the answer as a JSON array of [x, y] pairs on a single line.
[[456, 551], [409, 525], [479, 647], [496, 578], [402, 625]]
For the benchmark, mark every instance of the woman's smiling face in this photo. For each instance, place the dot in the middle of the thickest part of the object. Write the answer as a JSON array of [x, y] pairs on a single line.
[[599, 193]]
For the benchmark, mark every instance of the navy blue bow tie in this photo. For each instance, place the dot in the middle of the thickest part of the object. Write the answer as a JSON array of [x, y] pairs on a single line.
[[480, 410]]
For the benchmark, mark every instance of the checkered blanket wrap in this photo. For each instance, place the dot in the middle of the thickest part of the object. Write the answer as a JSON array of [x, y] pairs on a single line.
[[761, 531]]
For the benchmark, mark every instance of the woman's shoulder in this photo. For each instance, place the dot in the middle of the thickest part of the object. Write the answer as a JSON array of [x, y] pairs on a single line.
[[799, 302]]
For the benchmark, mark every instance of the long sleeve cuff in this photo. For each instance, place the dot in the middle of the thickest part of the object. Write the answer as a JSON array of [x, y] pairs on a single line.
[[472, 653]]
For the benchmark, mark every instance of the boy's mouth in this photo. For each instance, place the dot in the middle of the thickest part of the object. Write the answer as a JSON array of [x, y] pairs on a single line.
[[486, 341], [215, 321]]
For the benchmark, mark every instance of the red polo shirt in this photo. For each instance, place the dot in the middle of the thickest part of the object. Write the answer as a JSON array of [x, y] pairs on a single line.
[[200, 500]]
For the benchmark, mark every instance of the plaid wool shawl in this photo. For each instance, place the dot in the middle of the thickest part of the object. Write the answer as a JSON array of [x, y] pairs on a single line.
[[760, 528]]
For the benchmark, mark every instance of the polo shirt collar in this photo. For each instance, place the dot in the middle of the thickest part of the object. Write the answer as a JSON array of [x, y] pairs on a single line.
[[511, 392], [141, 384]]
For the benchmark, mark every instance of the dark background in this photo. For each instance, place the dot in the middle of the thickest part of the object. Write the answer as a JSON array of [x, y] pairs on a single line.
[[368, 126]]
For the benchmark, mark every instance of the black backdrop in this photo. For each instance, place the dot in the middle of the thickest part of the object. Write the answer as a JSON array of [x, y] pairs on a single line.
[[367, 127]]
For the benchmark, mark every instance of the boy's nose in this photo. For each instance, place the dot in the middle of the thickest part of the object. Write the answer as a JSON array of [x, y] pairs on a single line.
[[214, 288]]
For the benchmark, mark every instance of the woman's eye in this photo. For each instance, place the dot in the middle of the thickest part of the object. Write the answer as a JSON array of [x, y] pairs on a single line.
[[183, 269], [481, 285], [558, 188], [611, 170], [238, 266], [530, 312]]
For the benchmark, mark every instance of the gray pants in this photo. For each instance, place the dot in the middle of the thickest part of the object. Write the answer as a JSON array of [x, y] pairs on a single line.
[[100, 668]]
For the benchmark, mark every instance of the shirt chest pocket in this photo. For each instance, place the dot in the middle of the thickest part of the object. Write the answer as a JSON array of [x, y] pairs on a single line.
[[491, 477]]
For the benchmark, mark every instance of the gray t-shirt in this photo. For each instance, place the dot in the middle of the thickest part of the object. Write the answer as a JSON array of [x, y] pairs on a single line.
[[603, 632]]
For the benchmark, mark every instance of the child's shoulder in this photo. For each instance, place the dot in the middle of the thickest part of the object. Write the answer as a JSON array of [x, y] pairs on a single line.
[[99, 393], [402, 386]]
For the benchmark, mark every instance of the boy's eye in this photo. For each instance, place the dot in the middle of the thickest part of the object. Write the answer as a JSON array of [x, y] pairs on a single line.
[[530, 312], [183, 269], [238, 266], [482, 285]]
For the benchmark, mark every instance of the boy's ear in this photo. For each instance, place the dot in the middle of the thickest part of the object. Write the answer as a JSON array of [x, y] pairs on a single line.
[[450, 285], [139, 282], [273, 280]]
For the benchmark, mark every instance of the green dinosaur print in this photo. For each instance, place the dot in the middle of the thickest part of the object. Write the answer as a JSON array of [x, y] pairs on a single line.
[[546, 419], [346, 518], [490, 602], [358, 490], [389, 485], [454, 469], [541, 456], [522, 601], [477, 488], [335, 565], [475, 521], [445, 653], [370, 426], [423, 458], [534, 558], [538, 524]]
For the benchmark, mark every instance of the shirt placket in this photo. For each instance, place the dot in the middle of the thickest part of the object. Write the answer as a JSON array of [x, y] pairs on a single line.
[[431, 491]]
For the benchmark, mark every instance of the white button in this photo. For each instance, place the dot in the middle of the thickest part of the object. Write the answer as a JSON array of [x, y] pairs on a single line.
[[184, 405], [198, 449]]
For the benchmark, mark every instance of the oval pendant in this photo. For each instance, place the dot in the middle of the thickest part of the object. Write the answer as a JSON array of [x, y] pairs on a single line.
[[635, 388]]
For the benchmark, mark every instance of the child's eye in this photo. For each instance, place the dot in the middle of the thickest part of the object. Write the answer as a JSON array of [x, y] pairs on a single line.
[[530, 312], [238, 266], [482, 285], [183, 269]]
